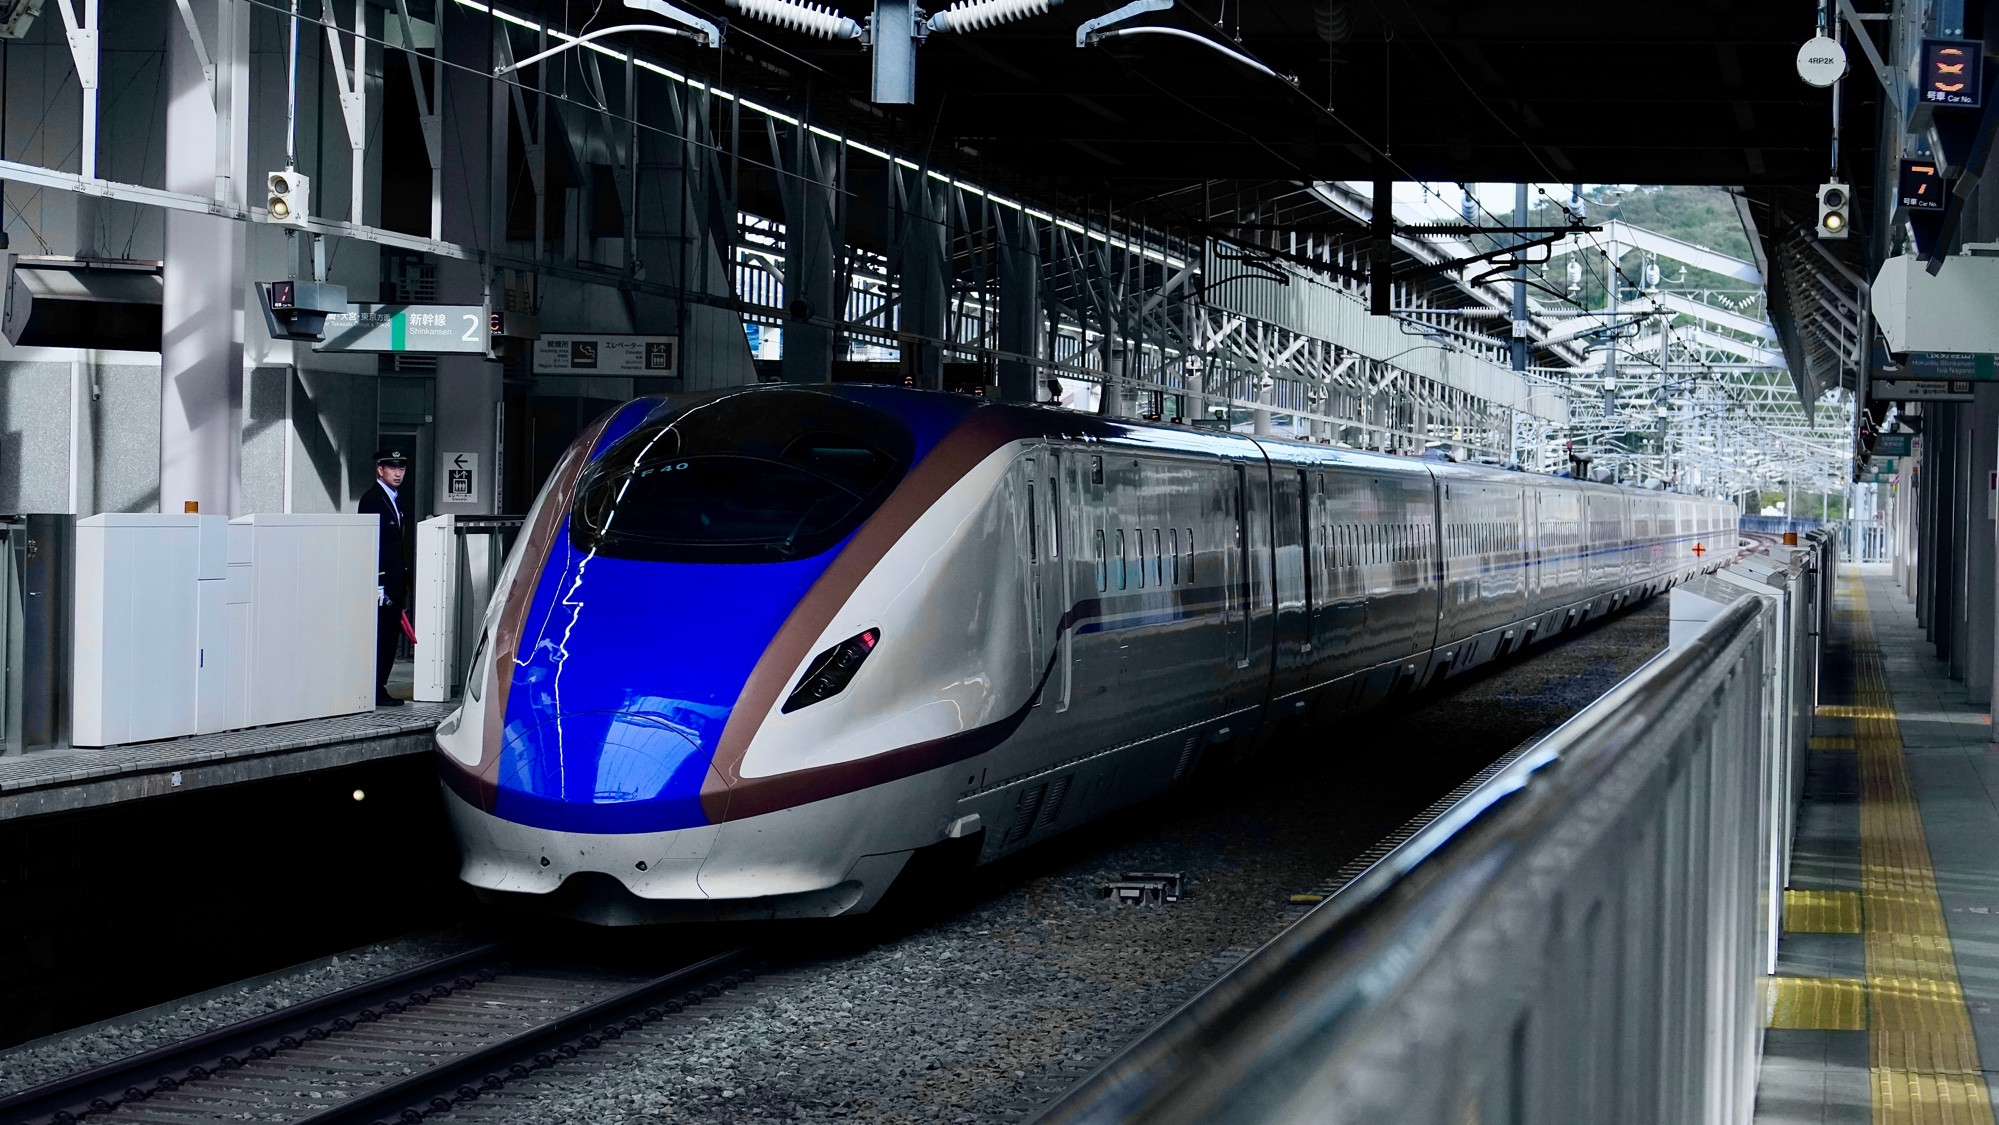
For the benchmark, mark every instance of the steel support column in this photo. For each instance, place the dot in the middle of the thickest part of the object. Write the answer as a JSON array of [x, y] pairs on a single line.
[[921, 266], [1019, 305], [202, 311], [1982, 434], [470, 119], [811, 259]]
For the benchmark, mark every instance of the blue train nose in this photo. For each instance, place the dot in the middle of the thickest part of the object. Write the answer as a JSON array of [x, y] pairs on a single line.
[[609, 771]]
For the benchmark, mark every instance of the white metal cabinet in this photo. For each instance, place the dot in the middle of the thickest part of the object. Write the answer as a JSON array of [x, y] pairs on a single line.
[[137, 668], [308, 637]]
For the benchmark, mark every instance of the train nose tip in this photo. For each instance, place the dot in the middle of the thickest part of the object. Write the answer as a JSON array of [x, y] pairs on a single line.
[[630, 771]]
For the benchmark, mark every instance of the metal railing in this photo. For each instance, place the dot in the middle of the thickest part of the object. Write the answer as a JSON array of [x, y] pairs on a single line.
[[1863, 541], [1580, 940]]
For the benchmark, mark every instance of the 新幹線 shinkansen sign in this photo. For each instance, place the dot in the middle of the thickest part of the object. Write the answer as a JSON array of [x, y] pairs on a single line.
[[424, 329], [597, 354]]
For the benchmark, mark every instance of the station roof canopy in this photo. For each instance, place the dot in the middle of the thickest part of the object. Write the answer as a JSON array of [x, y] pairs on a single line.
[[1700, 92]]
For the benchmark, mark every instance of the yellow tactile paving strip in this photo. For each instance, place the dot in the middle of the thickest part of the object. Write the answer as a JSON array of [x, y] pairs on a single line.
[[1922, 1057], [1817, 1003], [1822, 912]]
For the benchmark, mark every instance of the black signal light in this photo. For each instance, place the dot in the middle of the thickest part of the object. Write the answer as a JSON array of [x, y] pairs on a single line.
[[831, 671]]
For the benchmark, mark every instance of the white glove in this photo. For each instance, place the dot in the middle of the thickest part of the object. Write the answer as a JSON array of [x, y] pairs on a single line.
[[381, 596]]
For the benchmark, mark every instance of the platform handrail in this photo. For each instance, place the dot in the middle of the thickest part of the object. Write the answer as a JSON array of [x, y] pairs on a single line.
[[1417, 993]]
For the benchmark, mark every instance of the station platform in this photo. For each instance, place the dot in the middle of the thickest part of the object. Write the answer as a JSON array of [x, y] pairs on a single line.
[[1885, 1007], [63, 780]]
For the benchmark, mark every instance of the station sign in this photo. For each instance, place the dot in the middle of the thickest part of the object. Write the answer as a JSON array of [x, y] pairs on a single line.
[[1952, 72], [1920, 390], [1922, 186], [572, 353], [1975, 366], [461, 478], [1893, 445], [424, 329]]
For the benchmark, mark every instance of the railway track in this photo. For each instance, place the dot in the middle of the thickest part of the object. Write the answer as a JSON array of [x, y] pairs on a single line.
[[420, 1042]]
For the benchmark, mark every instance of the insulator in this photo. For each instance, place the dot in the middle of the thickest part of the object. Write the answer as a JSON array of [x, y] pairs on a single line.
[[811, 19], [977, 15]]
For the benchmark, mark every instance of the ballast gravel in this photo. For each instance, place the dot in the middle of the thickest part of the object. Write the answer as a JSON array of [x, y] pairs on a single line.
[[55, 1056], [985, 1000]]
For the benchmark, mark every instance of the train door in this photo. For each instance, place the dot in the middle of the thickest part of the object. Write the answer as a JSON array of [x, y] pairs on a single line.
[[1239, 569], [1047, 582]]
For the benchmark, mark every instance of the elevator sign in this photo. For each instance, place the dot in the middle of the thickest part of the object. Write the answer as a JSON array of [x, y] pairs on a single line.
[[424, 329], [461, 478], [597, 354]]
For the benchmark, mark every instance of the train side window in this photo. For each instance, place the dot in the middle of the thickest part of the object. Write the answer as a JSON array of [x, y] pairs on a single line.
[[1173, 539], [1096, 470], [1033, 527], [1159, 559], [1103, 573], [1054, 520], [1122, 564], [1190, 556], [1140, 534]]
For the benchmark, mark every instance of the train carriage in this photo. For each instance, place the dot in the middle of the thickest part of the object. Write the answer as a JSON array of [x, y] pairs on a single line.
[[757, 648]]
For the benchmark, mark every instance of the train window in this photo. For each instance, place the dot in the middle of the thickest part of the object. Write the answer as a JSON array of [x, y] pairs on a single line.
[[1122, 564], [1158, 559], [1173, 538], [1103, 574], [1054, 521], [1190, 556], [1096, 470], [1033, 527], [1140, 534], [756, 477]]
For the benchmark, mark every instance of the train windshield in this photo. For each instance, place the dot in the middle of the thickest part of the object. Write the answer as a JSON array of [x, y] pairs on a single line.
[[758, 477]]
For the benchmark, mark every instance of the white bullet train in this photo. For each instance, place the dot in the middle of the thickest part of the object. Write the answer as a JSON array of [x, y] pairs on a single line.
[[757, 648]]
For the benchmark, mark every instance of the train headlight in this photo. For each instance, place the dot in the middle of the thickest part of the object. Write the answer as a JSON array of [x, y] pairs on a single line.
[[831, 671]]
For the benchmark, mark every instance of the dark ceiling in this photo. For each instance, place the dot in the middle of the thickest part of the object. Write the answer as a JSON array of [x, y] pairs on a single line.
[[1440, 90]]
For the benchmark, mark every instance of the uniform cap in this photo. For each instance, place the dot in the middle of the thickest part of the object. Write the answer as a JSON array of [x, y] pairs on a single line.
[[395, 457]]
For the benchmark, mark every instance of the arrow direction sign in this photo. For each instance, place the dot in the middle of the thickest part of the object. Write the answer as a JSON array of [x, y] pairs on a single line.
[[461, 478]]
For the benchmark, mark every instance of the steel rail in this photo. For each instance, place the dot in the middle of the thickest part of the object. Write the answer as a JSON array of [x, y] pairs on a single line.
[[1241, 1045], [99, 1090], [441, 1087]]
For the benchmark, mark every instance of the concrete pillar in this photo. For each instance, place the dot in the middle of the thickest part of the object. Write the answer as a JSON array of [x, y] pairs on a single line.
[[203, 312], [1920, 526], [811, 258], [921, 264], [1982, 430], [1020, 305], [1945, 527]]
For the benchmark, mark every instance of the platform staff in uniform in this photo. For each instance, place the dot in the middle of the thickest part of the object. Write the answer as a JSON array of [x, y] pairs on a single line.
[[384, 499]]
